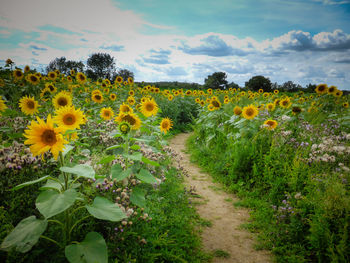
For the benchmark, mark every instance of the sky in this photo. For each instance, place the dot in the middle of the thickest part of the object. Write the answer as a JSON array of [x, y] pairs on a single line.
[[305, 41]]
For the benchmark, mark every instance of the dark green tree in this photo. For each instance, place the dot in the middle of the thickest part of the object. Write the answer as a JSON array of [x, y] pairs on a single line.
[[124, 73], [233, 85], [216, 80], [259, 82], [64, 65], [290, 86], [100, 65]]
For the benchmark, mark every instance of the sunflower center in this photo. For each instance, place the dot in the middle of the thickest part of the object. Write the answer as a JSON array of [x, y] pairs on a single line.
[[69, 119], [33, 78], [285, 103], [82, 77], [270, 123], [51, 87], [129, 119], [149, 107], [18, 73], [97, 97], [49, 137], [165, 125], [321, 88], [215, 103], [62, 102], [106, 113], [250, 112], [30, 104]]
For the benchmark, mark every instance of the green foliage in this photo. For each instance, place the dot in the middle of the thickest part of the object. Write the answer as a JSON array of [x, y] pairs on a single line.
[[259, 82], [216, 80]]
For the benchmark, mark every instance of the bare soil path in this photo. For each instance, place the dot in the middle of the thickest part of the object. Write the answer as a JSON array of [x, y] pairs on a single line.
[[217, 206]]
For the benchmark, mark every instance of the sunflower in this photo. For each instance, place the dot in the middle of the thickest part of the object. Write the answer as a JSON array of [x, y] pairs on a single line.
[[276, 91], [346, 104], [44, 137], [270, 106], [209, 91], [33, 79], [321, 89], [131, 100], [237, 110], [261, 91], [270, 124], [26, 69], [106, 113], [97, 97], [119, 79], [131, 118], [215, 102], [3, 106], [45, 94], [28, 105], [62, 99], [197, 100], [296, 110], [106, 90], [80, 77], [250, 112], [202, 103], [18, 74], [188, 92], [285, 103], [149, 107], [332, 89], [52, 75], [338, 94], [211, 107], [72, 72], [131, 93], [130, 80], [112, 96], [72, 136], [226, 100], [51, 87], [124, 108], [170, 97], [165, 125], [9, 61], [69, 118]]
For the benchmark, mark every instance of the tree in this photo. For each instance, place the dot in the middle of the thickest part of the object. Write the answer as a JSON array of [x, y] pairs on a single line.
[[100, 65], [124, 73], [216, 80], [310, 88], [64, 65], [290, 86], [259, 82], [233, 85]]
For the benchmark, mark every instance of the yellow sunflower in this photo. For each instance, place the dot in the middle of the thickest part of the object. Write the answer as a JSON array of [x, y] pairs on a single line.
[[321, 89], [270, 124], [80, 77], [69, 118], [3, 106], [270, 106], [51, 87], [237, 110], [106, 113], [28, 105], [112, 96], [52, 75], [18, 74], [131, 118], [345, 105], [170, 97], [338, 94], [97, 97], [124, 108], [130, 80], [165, 125], [72, 72], [296, 110], [332, 90], [26, 69], [43, 137], [215, 102], [285, 103], [276, 91], [131, 93], [131, 100], [119, 79], [149, 107], [250, 112], [62, 99], [33, 79], [45, 94]]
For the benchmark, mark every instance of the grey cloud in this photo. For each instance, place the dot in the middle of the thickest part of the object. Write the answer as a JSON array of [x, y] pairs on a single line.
[[158, 57], [38, 48], [344, 61], [35, 53], [213, 46]]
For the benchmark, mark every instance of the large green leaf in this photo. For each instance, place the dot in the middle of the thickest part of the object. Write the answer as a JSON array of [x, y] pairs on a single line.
[[92, 249], [51, 184], [118, 173], [107, 159], [50, 202], [67, 149], [30, 182], [81, 170], [136, 156], [137, 197], [104, 209], [25, 235], [148, 161], [145, 176]]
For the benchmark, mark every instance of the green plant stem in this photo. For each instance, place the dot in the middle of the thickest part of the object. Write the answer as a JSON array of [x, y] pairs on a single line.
[[64, 174], [76, 209], [55, 221], [76, 223], [53, 241]]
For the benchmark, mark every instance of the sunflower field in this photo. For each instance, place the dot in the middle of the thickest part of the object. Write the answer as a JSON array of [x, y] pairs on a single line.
[[87, 176]]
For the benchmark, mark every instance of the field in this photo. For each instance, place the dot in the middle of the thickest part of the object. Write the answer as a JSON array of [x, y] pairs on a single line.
[[87, 176]]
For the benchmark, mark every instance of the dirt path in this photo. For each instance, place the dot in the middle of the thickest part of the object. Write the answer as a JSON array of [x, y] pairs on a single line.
[[217, 206]]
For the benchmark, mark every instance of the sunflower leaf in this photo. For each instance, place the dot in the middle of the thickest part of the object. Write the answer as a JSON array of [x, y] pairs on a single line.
[[31, 182], [81, 170]]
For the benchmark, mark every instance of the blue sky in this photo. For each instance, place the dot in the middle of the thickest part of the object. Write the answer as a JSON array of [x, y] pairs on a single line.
[[186, 40]]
